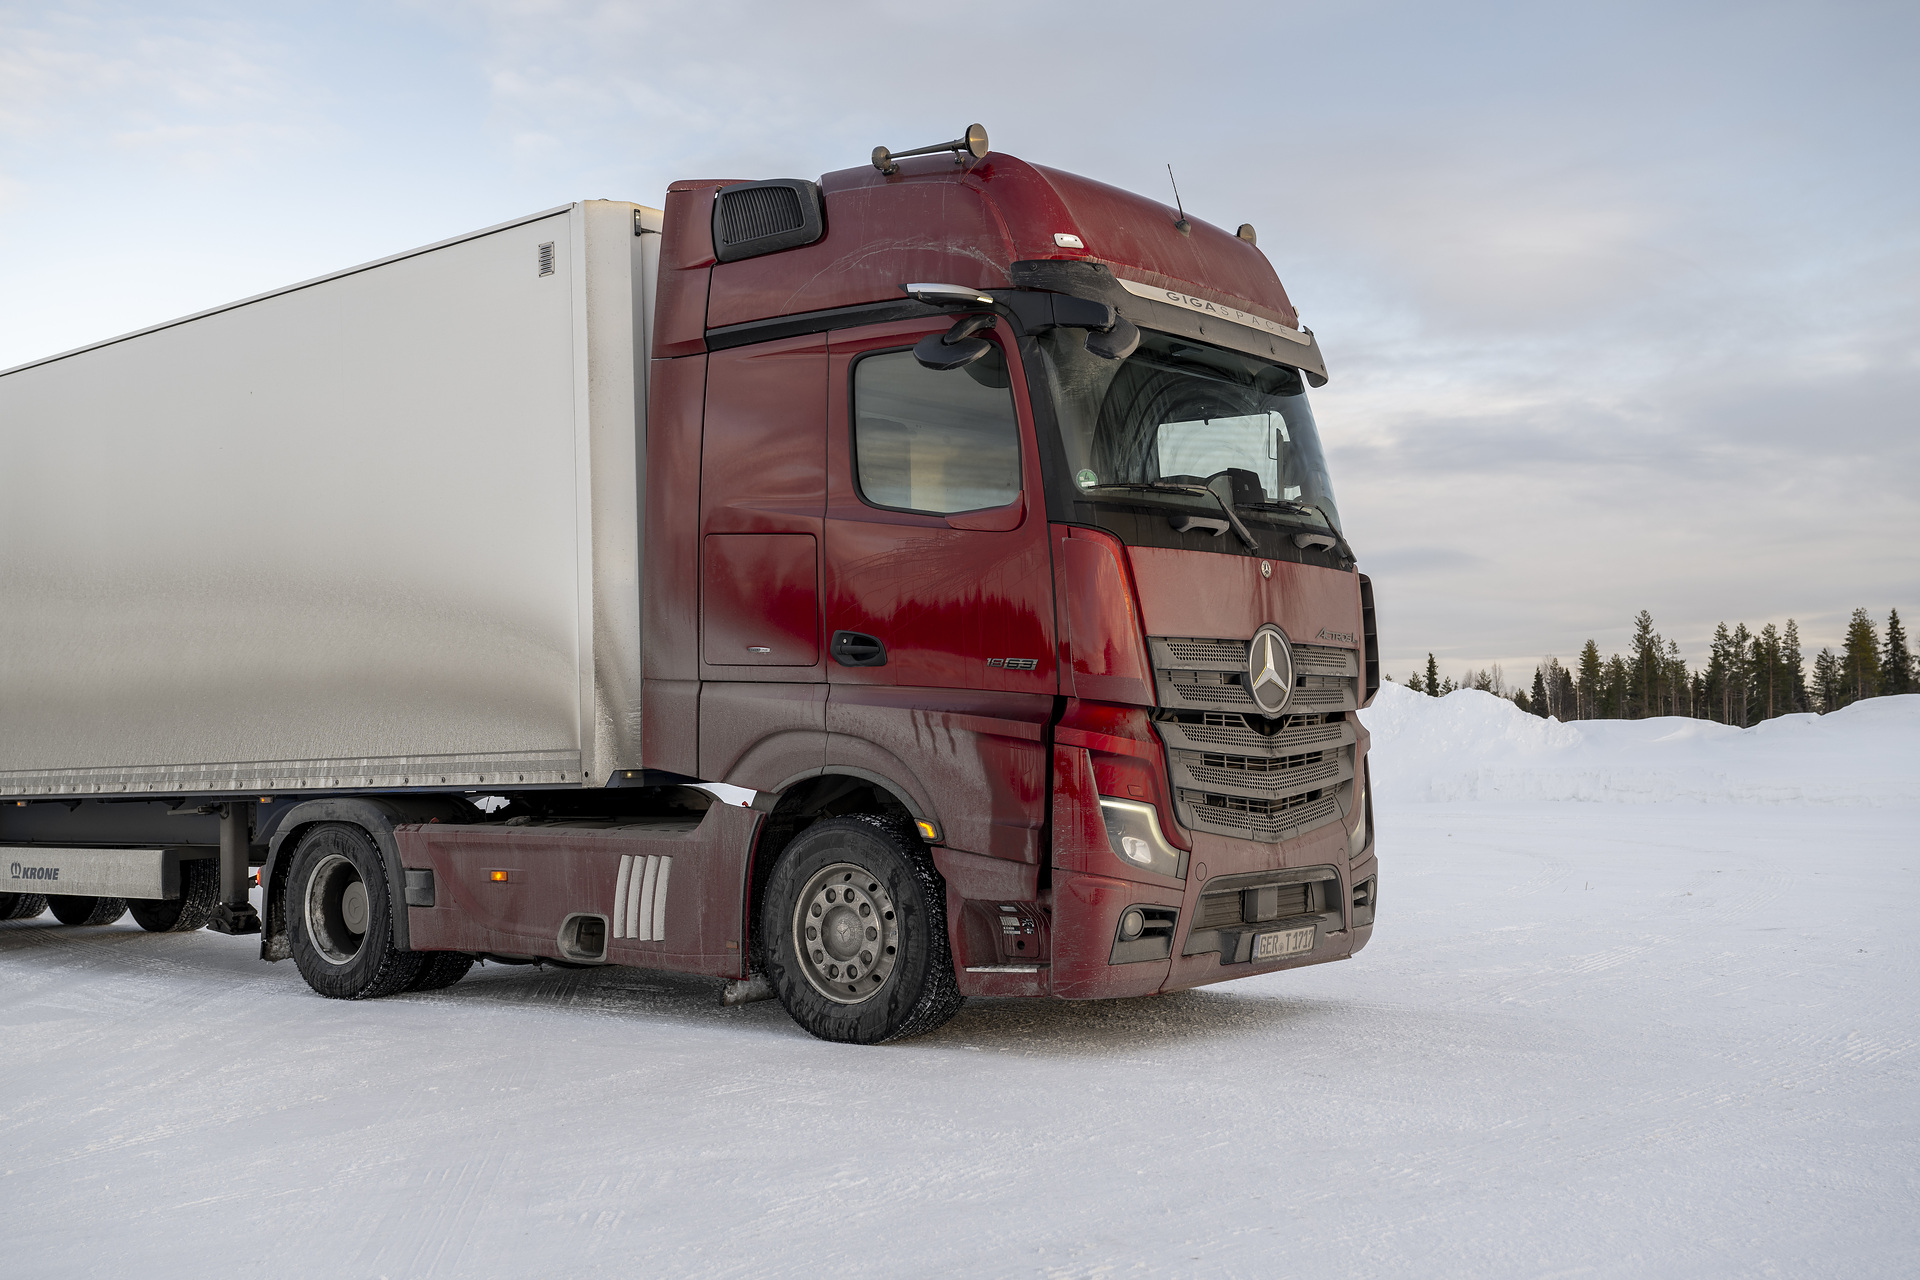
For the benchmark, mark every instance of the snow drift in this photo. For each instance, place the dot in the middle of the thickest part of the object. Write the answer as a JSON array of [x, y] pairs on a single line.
[[1474, 746]]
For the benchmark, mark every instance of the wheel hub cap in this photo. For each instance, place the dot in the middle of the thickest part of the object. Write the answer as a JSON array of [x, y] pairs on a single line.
[[337, 910], [846, 933]]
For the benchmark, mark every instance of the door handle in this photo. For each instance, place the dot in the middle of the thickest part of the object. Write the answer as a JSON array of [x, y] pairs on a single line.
[[852, 649]]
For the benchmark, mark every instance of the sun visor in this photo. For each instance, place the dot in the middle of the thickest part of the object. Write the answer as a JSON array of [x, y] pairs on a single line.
[[1180, 313]]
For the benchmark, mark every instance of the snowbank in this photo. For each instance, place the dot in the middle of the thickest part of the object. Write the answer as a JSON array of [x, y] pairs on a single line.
[[1474, 746]]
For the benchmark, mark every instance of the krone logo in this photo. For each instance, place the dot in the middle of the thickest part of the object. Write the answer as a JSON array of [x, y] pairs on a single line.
[[1270, 670]]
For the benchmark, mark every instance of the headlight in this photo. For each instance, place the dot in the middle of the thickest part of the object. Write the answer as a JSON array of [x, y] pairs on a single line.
[[1361, 834], [1133, 829]]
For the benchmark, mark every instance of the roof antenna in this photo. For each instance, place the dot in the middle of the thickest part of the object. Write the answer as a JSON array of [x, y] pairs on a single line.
[[1184, 227]]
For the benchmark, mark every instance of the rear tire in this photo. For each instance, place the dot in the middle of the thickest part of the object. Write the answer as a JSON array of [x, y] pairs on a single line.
[[440, 969], [80, 910], [199, 893], [339, 914], [855, 924], [22, 906]]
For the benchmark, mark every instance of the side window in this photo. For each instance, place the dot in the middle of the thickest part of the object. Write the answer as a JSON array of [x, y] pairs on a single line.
[[932, 441]]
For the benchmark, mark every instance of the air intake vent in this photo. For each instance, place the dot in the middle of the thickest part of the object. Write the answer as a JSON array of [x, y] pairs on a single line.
[[752, 218], [546, 258]]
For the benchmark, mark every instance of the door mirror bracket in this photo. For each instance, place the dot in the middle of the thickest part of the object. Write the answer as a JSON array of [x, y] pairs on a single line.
[[957, 347]]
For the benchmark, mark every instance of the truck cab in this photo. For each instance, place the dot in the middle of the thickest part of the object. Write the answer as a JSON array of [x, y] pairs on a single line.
[[1013, 514]]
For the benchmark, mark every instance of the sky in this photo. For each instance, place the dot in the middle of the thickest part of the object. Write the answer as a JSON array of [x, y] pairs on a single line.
[[1621, 302]]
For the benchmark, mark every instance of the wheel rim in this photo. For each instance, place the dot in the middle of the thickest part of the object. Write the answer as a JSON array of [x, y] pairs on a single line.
[[337, 909], [846, 933]]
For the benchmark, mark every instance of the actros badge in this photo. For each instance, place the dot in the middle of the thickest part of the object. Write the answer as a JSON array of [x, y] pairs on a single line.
[[1270, 670]]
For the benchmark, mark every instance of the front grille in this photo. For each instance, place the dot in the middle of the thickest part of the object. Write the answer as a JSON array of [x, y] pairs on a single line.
[[1234, 909], [1263, 820], [1234, 771], [1245, 906], [1230, 653]]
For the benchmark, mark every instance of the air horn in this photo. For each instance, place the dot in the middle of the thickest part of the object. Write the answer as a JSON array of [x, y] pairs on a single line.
[[974, 143]]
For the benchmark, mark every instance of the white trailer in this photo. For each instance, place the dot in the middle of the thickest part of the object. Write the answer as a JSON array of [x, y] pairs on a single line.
[[377, 530]]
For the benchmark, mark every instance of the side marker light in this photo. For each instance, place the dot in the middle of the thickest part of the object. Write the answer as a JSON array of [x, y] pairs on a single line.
[[928, 831], [498, 877]]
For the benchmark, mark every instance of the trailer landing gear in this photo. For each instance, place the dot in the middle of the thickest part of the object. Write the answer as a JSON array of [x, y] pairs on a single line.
[[234, 913]]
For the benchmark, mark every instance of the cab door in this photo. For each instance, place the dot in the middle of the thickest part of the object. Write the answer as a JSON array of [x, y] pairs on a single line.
[[762, 495], [938, 585]]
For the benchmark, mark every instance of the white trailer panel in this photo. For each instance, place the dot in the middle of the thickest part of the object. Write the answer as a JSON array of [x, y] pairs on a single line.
[[376, 530]]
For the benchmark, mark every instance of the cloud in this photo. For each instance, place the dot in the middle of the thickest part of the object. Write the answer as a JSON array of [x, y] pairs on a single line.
[[1622, 305]]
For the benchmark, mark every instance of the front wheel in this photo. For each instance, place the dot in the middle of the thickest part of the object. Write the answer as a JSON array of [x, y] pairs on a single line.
[[856, 930]]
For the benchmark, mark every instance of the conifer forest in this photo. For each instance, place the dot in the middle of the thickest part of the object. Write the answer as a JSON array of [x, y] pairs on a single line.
[[1748, 676]]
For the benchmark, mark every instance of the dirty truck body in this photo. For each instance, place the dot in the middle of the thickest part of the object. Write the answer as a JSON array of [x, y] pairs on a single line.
[[900, 587]]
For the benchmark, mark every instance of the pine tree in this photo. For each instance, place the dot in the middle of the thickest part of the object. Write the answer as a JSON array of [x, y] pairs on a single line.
[[1564, 699], [1740, 676], [1674, 679], [1619, 689], [1767, 690], [1433, 678], [1644, 697], [1539, 698], [1860, 661], [1719, 703], [1896, 660], [1828, 686], [1796, 669], [1413, 683], [1588, 683]]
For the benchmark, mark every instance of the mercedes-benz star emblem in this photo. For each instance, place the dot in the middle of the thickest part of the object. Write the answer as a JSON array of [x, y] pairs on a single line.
[[1270, 670]]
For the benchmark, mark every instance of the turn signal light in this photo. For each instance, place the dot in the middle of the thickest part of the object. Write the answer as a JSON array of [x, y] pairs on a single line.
[[498, 877], [928, 832]]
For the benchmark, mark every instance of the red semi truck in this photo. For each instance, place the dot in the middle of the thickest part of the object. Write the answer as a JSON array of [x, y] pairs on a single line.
[[920, 583]]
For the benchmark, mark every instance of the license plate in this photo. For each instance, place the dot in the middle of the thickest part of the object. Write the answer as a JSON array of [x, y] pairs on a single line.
[[1288, 942]]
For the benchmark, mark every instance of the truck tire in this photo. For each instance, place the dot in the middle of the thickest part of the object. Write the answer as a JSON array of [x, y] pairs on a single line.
[[21, 906], [440, 969], [76, 909], [339, 916], [199, 894], [856, 933]]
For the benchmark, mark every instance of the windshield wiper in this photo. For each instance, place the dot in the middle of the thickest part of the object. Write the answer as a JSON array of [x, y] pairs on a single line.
[[1328, 540], [1197, 490]]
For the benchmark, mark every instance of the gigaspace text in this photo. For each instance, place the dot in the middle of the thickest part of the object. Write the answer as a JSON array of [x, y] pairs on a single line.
[[1233, 315]]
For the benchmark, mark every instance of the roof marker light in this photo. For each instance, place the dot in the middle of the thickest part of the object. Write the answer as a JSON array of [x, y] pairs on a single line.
[[1067, 240]]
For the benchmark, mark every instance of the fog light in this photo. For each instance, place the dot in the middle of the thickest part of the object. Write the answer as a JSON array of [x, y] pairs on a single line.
[[1133, 922]]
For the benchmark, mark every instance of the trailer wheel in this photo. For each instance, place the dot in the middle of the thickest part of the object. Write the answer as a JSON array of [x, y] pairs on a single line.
[[21, 906], [340, 917], [71, 908], [856, 933], [199, 894], [440, 969]]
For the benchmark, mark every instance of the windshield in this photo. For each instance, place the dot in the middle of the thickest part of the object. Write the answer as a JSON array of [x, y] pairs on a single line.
[[1180, 412]]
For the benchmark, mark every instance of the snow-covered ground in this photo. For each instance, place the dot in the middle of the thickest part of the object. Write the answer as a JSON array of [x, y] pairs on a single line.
[[1667, 1038]]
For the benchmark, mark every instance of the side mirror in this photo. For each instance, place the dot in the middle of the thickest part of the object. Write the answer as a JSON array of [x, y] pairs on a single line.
[[957, 347]]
